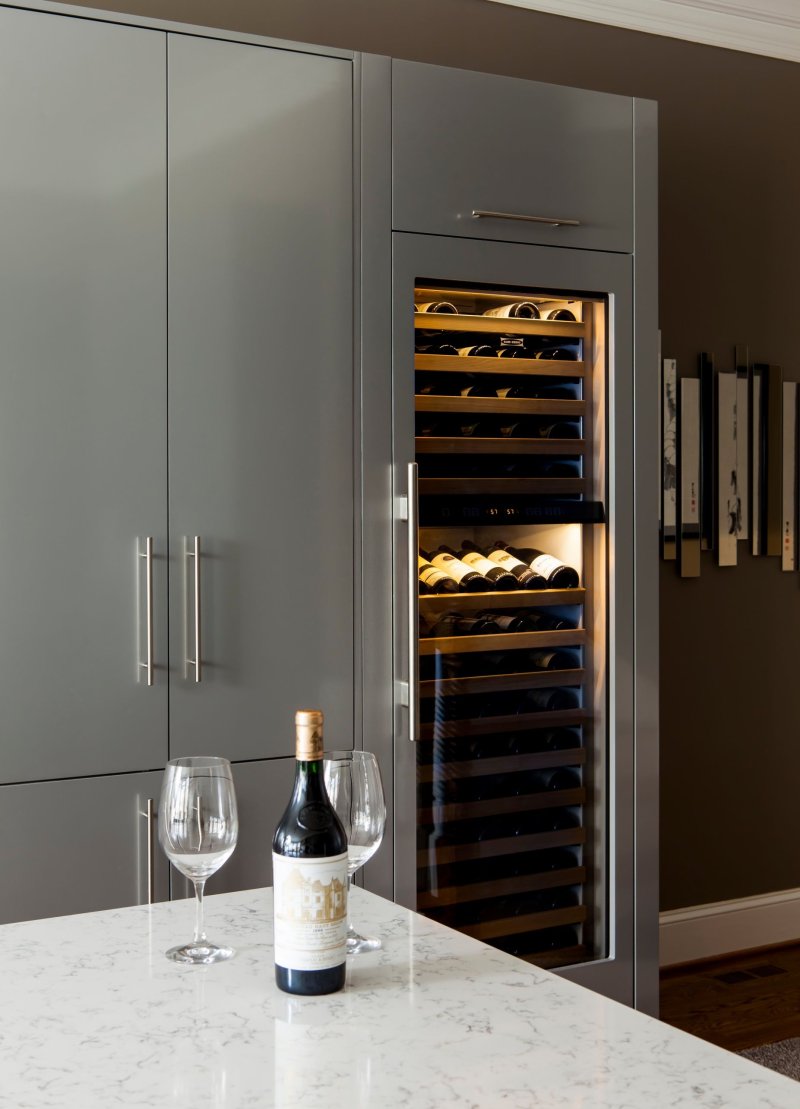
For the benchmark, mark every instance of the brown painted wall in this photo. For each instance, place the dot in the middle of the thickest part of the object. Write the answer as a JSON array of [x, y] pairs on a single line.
[[730, 257]]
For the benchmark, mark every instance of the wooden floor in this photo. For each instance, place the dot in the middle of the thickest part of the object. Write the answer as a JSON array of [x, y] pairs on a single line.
[[741, 1001]]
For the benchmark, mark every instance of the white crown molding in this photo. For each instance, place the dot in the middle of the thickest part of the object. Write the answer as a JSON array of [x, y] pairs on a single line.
[[770, 27]]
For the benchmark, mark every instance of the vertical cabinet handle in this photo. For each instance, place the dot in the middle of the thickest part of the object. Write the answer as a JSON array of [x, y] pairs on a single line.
[[413, 601], [149, 814], [196, 662], [147, 555]]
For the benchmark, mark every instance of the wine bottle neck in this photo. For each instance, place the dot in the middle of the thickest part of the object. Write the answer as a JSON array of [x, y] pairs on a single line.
[[309, 779]]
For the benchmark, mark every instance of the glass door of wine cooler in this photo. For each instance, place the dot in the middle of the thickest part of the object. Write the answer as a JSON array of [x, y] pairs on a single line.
[[512, 409]]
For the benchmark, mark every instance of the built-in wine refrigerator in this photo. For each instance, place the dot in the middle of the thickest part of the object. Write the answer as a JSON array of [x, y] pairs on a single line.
[[515, 577]]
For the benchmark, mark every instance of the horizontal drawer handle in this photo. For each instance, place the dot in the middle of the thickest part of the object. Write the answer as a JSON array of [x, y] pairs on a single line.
[[478, 213]]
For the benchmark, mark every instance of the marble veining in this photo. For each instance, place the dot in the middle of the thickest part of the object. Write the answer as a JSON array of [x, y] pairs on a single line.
[[94, 1015]]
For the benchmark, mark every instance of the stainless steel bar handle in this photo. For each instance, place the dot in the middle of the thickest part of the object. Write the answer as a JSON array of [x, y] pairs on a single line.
[[197, 661], [413, 601], [150, 816], [479, 213], [147, 555]]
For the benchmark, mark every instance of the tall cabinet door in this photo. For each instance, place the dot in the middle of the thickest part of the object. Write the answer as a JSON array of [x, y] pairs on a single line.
[[82, 395], [261, 395]]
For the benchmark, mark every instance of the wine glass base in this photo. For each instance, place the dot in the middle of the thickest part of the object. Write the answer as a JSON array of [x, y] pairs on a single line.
[[199, 954], [360, 945]]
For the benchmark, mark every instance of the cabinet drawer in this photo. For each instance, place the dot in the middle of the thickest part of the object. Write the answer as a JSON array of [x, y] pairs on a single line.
[[78, 846], [466, 141]]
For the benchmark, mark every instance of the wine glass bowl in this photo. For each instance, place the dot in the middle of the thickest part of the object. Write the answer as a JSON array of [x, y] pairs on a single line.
[[354, 786], [198, 827]]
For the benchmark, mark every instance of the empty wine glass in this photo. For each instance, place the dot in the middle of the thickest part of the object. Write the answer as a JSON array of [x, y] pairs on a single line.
[[198, 827], [353, 782]]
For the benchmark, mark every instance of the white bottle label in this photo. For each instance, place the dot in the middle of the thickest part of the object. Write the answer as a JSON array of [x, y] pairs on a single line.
[[310, 912], [504, 559], [430, 575], [453, 567], [545, 565], [479, 563]]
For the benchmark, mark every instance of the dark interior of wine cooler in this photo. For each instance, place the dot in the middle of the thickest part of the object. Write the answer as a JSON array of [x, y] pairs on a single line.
[[510, 413]]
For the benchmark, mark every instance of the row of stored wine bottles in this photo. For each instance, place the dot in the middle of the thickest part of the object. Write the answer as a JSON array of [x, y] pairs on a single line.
[[520, 310], [507, 907], [473, 386], [466, 346], [487, 622], [453, 833], [475, 569], [467, 425], [445, 753], [493, 663], [452, 707], [490, 787], [524, 864]]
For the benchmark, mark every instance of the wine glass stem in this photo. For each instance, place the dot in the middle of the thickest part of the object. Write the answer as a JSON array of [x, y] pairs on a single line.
[[199, 931], [349, 918]]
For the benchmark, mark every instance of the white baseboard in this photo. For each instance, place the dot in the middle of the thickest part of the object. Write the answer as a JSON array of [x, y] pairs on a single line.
[[706, 931]]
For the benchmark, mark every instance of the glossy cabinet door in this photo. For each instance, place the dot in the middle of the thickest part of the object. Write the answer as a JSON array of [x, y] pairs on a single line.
[[465, 142], [78, 846], [261, 396], [82, 396]]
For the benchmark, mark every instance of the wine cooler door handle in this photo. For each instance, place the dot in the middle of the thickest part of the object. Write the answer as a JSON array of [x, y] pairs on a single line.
[[193, 551], [148, 813], [551, 221], [147, 554], [413, 601]]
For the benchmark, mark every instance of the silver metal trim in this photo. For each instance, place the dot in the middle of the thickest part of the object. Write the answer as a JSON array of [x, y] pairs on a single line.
[[150, 815], [147, 555], [197, 661], [478, 213], [413, 601]]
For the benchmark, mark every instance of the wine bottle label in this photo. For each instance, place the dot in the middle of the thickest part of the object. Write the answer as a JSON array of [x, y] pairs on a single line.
[[453, 567], [481, 564], [310, 911], [504, 559], [546, 565], [429, 574]]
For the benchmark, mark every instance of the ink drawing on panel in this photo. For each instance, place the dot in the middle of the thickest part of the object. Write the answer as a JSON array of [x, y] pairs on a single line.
[[728, 500], [669, 457]]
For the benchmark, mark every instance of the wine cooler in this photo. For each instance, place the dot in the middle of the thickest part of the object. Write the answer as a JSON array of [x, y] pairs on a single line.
[[515, 645]]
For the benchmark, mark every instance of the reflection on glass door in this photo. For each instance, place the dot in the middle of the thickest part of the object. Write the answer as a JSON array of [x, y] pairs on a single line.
[[510, 418]]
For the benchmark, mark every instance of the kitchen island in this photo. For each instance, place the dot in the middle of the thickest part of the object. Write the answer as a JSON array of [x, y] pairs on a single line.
[[94, 1015]]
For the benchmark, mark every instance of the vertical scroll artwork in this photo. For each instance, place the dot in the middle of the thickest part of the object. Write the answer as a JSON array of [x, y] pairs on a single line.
[[743, 440], [757, 458], [708, 452], [669, 458], [728, 502], [773, 453], [789, 500], [689, 500]]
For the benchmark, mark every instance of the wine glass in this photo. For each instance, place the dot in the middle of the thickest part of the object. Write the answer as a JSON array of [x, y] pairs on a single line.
[[198, 827], [353, 782]]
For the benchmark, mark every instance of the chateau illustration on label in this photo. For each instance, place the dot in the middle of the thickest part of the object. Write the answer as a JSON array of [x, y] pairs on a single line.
[[311, 900]]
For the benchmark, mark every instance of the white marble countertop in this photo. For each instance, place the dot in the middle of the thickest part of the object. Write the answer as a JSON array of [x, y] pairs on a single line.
[[94, 1015]]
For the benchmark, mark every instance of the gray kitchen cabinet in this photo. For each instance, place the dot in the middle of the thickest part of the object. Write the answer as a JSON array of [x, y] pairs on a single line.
[[79, 845], [261, 400], [82, 396], [464, 142]]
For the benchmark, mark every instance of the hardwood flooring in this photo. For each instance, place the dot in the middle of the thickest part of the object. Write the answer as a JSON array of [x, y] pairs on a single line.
[[740, 1001]]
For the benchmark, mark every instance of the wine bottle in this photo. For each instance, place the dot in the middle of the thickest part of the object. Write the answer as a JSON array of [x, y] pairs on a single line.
[[559, 429], [520, 310], [527, 578], [519, 389], [478, 350], [436, 581], [460, 623], [468, 579], [560, 314], [498, 577], [546, 622], [552, 659], [557, 354], [477, 389], [550, 700], [441, 385], [436, 347], [309, 865], [510, 621], [518, 350], [437, 306], [557, 574]]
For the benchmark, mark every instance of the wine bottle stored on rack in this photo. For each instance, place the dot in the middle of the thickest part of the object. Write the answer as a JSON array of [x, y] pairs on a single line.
[[437, 581], [498, 577], [468, 579], [557, 574], [527, 577], [520, 310], [437, 306], [462, 623], [309, 850], [478, 350]]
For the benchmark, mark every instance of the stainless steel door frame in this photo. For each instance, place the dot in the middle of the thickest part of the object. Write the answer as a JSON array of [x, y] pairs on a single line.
[[432, 258]]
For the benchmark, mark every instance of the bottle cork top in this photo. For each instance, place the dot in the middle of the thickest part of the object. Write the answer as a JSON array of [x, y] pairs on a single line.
[[308, 725]]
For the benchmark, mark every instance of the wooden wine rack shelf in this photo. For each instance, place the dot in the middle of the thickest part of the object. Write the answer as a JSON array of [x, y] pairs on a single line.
[[500, 683], [498, 325], [563, 957], [501, 887], [430, 603], [515, 845], [520, 406], [501, 806], [467, 444], [505, 641], [488, 725], [504, 764], [564, 487], [532, 922], [507, 367]]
